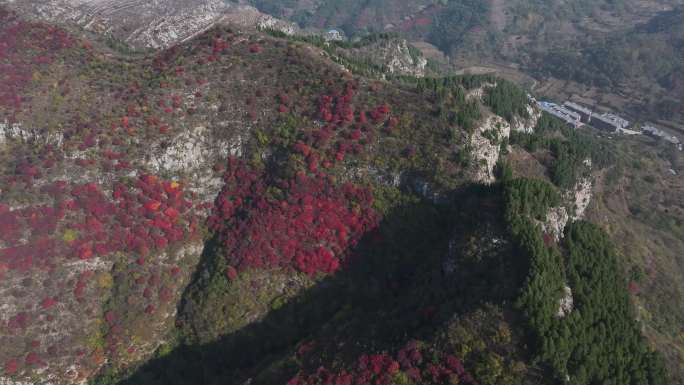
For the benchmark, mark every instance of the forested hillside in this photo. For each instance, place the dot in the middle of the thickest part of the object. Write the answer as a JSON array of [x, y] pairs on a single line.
[[636, 199], [249, 207], [628, 47]]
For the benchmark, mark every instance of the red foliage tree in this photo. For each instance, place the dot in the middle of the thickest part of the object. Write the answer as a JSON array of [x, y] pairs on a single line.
[[310, 230], [255, 48], [11, 367], [381, 369], [48, 303]]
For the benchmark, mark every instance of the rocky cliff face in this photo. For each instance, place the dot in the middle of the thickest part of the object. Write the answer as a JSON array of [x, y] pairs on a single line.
[[11, 132], [148, 24], [527, 125], [400, 60], [575, 203], [488, 137], [152, 24], [486, 140], [558, 218], [566, 303], [485, 145]]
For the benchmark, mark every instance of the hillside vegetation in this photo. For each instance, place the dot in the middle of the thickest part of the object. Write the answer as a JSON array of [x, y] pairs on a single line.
[[251, 208], [631, 48]]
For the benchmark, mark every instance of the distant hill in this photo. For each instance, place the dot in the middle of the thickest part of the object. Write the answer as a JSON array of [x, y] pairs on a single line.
[[621, 47], [643, 57]]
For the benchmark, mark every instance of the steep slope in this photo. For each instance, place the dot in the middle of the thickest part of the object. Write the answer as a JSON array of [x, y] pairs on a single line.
[[628, 52], [639, 203], [635, 198], [241, 208], [111, 164]]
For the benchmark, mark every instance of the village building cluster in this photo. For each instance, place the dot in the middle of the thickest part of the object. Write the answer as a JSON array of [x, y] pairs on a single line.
[[576, 115]]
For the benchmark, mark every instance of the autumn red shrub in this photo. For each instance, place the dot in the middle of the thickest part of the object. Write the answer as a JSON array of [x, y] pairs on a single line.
[[231, 273], [302, 148], [25, 47], [20, 320], [175, 271], [85, 251], [325, 108], [219, 45], [11, 367], [81, 284], [309, 230], [255, 48], [110, 317], [382, 369], [633, 288], [33, 359], [316, 222], [48, 302], [165, 294]]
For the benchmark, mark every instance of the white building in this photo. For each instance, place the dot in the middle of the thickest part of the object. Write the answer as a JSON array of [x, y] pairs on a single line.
[[584, 112], [334, 35], [573, 119], [616, 120]]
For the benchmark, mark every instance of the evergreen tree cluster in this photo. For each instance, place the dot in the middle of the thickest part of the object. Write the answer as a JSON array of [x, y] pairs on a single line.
[[507, 100], [599, 341], [570, 149], [450, 96]]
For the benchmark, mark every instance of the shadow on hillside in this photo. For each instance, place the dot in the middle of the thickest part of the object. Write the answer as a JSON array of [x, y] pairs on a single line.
[[394, 290]]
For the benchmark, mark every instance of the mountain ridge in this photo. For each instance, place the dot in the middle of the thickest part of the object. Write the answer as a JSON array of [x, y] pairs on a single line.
[[171, 201]]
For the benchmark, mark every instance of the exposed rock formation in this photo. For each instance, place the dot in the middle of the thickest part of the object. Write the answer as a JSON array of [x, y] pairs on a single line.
[[248, 16], [558, 217], [565, 304], [399, 59], [191, 153], [485, 145], [556, 220], [580, 197], [478, 93], [15, 131], [149, 24], [527, 124]]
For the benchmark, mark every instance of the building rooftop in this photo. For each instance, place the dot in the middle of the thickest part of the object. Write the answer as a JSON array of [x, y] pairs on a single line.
[[577, 107], [334, 34], [562, 113], [613, 119]]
